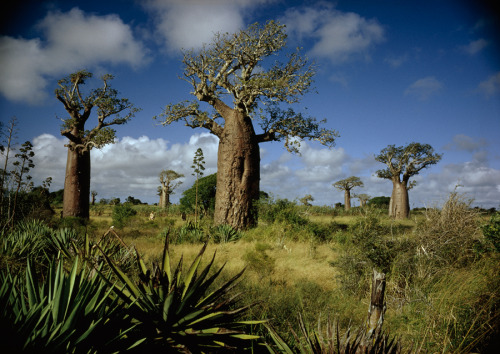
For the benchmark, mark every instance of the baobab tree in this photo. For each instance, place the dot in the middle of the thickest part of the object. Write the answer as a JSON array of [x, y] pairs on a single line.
[[93, 194], [306, 200], [346, 185], [404, 162], [108, 107], [168, 185], [234, 68], [363, 198]]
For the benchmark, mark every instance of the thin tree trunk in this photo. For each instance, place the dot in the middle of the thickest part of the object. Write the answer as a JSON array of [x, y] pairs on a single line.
[[77, 184], [238, 173], [399, 207]]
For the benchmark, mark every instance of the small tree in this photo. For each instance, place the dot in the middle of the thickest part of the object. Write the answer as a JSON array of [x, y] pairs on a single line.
[[346, 185], [198, 168], [168, 185], [363, 198], [404, 162], [206, 195], [106, 102], [307, 199], [93, 194], [21, 167]]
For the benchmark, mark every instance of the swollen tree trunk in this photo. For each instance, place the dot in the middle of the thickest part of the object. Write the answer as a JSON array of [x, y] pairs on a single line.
[[163, 198], [77, 184], [238, 173], [399, 207], [347, 199]]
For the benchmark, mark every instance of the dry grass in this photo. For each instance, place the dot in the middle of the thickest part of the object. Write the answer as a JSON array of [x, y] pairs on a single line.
[[292, 265]]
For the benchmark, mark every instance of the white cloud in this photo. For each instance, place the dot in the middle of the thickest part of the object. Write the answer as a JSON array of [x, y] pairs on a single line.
[[475, 46], [131, 167], [128, 167], [338, 36], [490, 86], [191, 23], [72, 41], [424, 88]]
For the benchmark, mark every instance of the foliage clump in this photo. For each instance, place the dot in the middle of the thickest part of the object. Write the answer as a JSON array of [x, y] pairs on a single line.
[[121, 213]]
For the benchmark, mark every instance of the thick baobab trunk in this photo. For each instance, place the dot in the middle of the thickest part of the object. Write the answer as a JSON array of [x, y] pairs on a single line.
[[347, 200], [163, 198], [238, 173], [77, 184], [399, 207]]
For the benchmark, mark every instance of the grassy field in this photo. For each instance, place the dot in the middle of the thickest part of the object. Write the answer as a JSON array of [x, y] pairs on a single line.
[[443, 281]]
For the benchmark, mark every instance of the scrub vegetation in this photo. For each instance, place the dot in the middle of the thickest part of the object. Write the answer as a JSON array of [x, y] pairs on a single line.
[[298, 282]]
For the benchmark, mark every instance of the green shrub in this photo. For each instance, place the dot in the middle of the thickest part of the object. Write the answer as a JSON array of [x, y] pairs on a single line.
[[491, 232], [224, 234], [121, 214], [190, 232], [259, 261]]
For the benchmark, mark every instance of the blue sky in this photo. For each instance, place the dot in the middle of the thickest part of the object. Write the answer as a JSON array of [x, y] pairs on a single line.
[[388, 72]]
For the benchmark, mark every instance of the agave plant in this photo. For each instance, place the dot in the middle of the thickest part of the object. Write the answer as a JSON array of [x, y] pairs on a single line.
[[67, 312], [26, 241], [225, 233], [329, 341], [178, 311]]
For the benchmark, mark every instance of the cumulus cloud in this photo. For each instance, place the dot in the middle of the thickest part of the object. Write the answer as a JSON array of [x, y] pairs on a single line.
[[70, 41], [338, 36], [191, 23], [424, 88], [475, 47], [130, 166], [490, 86]]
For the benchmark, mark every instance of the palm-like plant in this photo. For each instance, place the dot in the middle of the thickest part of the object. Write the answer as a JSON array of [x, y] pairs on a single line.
[[67, 312], [329, 341], [177, 311]]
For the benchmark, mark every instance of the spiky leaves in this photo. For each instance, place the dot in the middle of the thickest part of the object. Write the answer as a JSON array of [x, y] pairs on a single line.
[[176, 310], [62, 314]]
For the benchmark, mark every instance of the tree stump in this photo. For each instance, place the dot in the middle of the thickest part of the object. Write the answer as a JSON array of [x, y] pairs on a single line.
[[377, 304]]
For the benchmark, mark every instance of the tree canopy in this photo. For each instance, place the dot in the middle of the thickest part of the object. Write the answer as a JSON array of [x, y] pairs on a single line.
[[206, 194], [234, 65], [79, 107], [404, 162], [348, 183]]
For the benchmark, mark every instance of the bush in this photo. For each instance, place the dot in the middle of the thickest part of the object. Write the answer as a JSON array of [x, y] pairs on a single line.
[[121, 214], [224, 234], [448, 236], [491, 232]]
